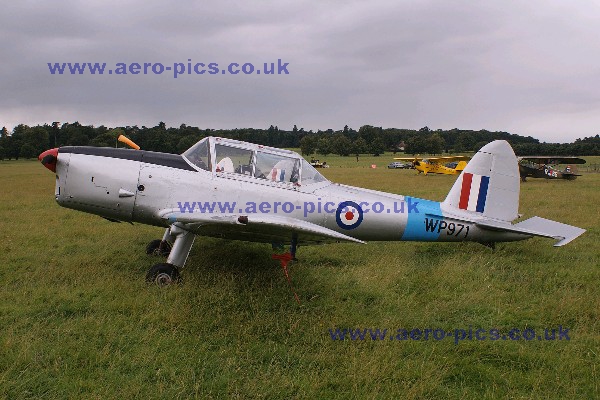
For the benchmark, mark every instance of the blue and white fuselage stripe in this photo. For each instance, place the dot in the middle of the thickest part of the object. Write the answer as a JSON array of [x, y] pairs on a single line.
[[416, 222]]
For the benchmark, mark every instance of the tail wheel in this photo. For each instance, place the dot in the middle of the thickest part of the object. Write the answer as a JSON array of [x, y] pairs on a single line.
[[163, 274]]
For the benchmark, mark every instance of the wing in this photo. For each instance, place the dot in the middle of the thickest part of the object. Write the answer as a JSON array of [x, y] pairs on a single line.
[[254, 227], [448, 159], [553, 160], [408, 158], [434, 159]]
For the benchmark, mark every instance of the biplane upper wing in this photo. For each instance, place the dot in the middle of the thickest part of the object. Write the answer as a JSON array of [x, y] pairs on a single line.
[[441, 160], [553, 160], [408, 158], [254, 227], [447, 159]]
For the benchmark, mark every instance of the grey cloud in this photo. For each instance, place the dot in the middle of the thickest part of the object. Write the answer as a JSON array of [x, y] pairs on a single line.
[[531, 68]]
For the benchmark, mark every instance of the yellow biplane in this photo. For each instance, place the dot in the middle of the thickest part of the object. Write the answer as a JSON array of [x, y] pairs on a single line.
[[437, 165]]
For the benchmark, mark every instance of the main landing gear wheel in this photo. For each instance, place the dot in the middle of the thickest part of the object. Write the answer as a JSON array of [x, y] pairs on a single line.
[[158, 248], [163, 274]]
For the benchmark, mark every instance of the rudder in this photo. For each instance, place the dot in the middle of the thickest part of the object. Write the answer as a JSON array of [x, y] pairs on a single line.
[[460, 166]]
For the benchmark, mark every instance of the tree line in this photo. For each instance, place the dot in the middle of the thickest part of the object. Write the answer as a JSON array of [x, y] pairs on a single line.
[[27, 142]]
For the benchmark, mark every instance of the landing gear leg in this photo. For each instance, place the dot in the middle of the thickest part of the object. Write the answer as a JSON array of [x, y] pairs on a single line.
[[294, 247], [285, 258], [160, 247], [163, 274]]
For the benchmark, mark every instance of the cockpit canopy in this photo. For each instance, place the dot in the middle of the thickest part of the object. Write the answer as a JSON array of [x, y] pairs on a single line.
[[227, 156]]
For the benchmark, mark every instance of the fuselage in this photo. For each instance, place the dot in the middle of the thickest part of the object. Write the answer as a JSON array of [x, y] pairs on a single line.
[[138, 186]]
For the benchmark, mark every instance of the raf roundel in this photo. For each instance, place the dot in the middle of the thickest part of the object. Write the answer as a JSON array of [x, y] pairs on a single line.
[[348, 215]]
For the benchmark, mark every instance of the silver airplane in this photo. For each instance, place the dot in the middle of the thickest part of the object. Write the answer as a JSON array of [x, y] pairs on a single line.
[[236, 190]]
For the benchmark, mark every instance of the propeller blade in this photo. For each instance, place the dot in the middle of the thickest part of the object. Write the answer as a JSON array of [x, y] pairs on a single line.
[[128, 142]]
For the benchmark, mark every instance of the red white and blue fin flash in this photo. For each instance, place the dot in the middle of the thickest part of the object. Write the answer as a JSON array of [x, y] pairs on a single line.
[[473, 192]]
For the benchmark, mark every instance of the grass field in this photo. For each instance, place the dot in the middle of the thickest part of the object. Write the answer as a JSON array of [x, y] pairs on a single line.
[[77, 319]]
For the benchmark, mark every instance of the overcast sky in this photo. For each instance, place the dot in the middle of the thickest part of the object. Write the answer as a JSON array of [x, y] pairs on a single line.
[[527, 67]]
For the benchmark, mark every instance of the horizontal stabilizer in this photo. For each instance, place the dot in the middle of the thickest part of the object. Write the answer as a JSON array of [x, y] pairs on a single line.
[[535, 226], [562, 232]]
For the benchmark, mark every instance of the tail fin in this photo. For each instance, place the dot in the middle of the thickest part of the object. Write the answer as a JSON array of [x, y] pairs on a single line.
[[460, 166], [489, 185], [489, 188]]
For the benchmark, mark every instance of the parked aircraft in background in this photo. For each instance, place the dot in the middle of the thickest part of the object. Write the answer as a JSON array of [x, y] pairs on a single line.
[[545, 167], [318, 164], [435, 165]]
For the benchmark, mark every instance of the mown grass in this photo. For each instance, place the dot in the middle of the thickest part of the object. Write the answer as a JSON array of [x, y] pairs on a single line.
[[78, 321]]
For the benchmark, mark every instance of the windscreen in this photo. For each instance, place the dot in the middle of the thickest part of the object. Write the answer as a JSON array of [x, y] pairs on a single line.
[[199, 155], [310, 175]]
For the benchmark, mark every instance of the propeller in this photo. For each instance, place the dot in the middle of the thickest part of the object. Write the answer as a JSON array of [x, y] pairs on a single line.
[[128, 142]]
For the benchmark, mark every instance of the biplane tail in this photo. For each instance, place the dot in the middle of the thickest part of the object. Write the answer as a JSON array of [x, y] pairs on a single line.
[[487, 193], [461, 166]]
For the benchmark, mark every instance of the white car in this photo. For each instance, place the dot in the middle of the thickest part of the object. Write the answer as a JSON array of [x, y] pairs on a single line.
[[398, 164]]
